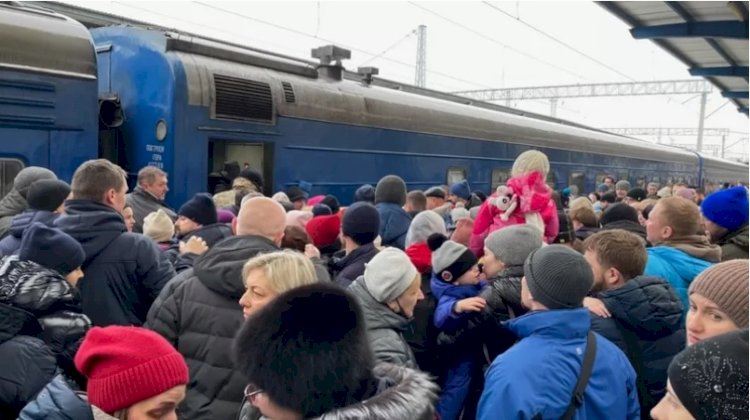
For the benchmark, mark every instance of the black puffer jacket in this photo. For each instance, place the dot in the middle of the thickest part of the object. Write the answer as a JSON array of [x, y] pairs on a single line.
[[26, 363], [46, 295], [124, 272], [199, 313], [648, 326], [11, 243], [212, 234], [503, 298], [346, 268]]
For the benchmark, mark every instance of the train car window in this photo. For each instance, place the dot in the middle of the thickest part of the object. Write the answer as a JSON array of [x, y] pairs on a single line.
[[600, 178], [455, 175], [552, 179], [656, 179], [641, 182], [579, 180], [499, 177], [621, 176], [9, 168]]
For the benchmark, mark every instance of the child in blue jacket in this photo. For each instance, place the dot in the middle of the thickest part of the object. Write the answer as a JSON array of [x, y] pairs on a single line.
[[456, 285]]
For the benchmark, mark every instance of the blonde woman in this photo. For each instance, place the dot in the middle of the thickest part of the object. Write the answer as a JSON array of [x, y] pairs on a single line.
[[268, 275]]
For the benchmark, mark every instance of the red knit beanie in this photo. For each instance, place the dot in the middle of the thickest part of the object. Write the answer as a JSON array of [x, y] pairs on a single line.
[[324, 230], [126, 365]]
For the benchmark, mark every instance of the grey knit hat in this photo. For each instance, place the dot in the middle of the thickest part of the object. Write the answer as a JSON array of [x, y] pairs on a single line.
[[622, 185], [391, 189], [388, 274], [710, 378], [450, 260], [28, 176], [558, 277], [513, 244], [726, 285]]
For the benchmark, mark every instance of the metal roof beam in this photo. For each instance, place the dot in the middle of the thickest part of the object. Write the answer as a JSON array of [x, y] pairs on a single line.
[[735, 94], [736, 71], [713, 29]]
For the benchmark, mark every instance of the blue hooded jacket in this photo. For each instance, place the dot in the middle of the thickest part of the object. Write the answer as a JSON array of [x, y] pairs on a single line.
[[676, 267], [394, 223], [536, 377], [11, 243]]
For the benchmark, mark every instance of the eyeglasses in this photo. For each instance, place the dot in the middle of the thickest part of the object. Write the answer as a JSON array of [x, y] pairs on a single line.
[[251, 391]]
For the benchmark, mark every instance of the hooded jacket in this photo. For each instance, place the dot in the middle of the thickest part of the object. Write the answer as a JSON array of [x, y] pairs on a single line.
[[680, 262], [647, 325], [57, 401], [549, 357], [12, 242], [348, 267], [26, 363], [394, 224], [402, 393], [124, 272], [534, 199], [198, 312], [385, 328], [144, 203], [12, 204], [734, 245], [212, 234]]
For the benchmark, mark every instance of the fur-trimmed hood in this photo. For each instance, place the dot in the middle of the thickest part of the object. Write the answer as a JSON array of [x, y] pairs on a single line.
[[403, 393]]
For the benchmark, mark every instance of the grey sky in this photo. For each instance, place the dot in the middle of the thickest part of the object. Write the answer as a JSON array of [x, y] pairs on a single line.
[[470, 45]]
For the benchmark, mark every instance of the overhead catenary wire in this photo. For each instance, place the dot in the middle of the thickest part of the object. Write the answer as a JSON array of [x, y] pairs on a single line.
[[557, 40], [495, 41], [392, 46], [353, 48]]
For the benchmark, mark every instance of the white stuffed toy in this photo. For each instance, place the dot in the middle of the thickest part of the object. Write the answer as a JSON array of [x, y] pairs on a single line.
[[506, 201]]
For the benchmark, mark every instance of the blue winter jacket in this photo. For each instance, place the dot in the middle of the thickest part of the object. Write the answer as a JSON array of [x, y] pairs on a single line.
[[12, 243], [676, 267], [57, 401], [394, 223], [536, 377], [462, 361]]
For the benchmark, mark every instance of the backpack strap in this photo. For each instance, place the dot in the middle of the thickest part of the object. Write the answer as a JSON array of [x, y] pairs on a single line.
[[583, 379]]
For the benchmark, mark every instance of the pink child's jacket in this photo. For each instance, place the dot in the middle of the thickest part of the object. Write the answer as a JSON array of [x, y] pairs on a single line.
[[533, 195]]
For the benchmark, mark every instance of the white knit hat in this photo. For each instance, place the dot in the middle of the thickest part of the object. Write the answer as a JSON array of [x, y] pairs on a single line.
[[389, 274], [158, 226]]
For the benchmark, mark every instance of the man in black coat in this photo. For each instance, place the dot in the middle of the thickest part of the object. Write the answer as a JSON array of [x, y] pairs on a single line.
[[641, 315], [124, 272], [359, 229], [199, 312]]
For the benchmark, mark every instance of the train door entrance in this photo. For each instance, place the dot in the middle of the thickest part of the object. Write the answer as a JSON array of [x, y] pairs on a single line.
[[256, 156]]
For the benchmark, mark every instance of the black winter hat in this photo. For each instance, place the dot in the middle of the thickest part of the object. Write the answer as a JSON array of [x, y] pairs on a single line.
[[361, 223], [253, 176], [710, 377], [558, 277], [307, 350], [365, 193], [295, 194], [51, 248], [200, 209], [620, 211], [332, 202], [637, 194], [321, 210], [609, 197], [436, 192], [47, 194], [391, 189]]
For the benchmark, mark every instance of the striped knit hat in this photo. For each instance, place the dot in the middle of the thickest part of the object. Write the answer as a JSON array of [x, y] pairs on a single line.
[[726, 285]]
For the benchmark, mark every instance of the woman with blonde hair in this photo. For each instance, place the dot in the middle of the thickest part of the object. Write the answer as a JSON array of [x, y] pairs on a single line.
[[268, 275]]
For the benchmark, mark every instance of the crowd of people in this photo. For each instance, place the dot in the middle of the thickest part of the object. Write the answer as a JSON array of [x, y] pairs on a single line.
[[448, 303]]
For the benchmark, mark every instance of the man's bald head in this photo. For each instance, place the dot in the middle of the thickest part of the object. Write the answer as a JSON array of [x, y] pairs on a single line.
[[262, 216]]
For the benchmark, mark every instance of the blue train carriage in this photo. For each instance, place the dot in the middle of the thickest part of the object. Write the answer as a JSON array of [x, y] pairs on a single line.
[[48, 93], [191, 104]]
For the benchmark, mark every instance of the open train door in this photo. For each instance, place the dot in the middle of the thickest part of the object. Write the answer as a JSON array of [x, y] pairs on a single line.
[[254, 155]]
